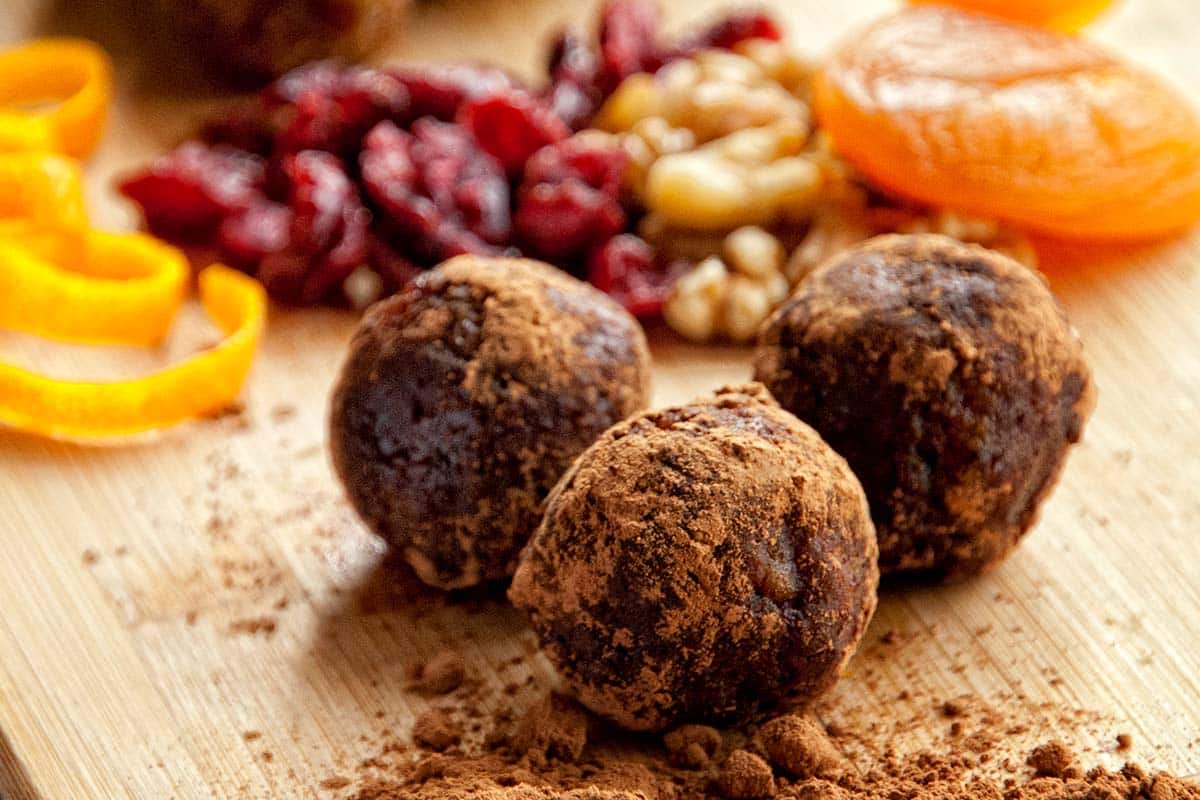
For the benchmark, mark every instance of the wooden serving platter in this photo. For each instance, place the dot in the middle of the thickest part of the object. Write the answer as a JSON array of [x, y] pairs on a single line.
[[199, 614]]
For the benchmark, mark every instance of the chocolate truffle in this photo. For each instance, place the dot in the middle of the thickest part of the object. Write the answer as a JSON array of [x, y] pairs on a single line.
[[700, 560], [949, 378], [466, 396]]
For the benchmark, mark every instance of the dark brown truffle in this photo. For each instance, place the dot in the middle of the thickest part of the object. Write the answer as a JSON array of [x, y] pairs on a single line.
[[466, 396], [949, 378], [700, 560]]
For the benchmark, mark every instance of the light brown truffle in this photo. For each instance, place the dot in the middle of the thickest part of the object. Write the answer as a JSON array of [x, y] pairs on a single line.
[[466, 396], [949, 378], [699, 560]]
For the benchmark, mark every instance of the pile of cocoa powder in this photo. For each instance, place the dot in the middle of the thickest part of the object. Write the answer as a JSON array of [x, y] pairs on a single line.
[[556, 749]]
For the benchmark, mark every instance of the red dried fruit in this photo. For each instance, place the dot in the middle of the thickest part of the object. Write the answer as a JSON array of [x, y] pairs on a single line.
[[436, 188], [437, 149], [390, 178], [316, 76], [569, 202], [733, 29], [247, 238], [512, 126], [329, 231], [334, 112], [439, 90], [567, 220], [394, 268], [598, 166], [575, 80], [625, 269], [629, 39], [188, 192]]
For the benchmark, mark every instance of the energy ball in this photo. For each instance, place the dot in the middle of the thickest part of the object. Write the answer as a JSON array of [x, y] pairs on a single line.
[[466, 396], [949, 378], [701, 560]]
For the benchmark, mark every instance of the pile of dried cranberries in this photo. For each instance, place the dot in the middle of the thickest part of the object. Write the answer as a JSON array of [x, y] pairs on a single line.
[[336, 168]]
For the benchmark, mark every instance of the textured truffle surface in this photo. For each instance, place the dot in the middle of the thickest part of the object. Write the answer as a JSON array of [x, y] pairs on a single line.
[[466, 396], [697, 561], [949, 378]]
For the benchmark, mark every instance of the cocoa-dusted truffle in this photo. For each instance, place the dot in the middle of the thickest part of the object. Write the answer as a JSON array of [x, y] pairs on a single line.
[[700, 560], [949, 378], [466, 396]]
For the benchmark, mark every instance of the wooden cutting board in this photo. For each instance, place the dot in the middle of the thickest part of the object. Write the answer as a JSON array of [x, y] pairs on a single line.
[[199, 615]]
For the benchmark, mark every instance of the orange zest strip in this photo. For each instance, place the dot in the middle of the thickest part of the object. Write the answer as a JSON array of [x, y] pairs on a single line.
[[54, 95], [42, 190], [120, 289], [199, 386]]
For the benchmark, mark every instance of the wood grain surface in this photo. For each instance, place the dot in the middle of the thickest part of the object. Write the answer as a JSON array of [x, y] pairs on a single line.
[[199, 614]]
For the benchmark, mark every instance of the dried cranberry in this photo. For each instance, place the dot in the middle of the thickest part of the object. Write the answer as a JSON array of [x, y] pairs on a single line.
[[448, 157], [629, 39], [335, 112], [730, 31], [566, 220], [318, 77], [598, 166], [188, 192], [512, 126], [483, 202], [575, 91], [366, 96], [320, 192], [436, 189], [569, 202], [624, 268], [246, 239], [329, 231], [573, 59], [394, 268], [438, 90], [391, 180], [451, 240]]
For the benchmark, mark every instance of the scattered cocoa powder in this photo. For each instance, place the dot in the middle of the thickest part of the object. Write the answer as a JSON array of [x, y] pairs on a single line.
[[282, 412], [557, 752], [441, 674], [253, 626], [692, 746], [745, 776], [437, 728], [555, 728], [800, 747], [1053, 760]]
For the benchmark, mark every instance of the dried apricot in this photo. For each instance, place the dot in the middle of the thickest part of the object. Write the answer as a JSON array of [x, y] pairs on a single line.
[[1062, 15], [1040, 128]]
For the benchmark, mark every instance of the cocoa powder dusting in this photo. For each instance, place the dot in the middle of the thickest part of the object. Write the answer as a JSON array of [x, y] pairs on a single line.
[[556, 750], [745, 776], [442, 674], [437, 729]]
